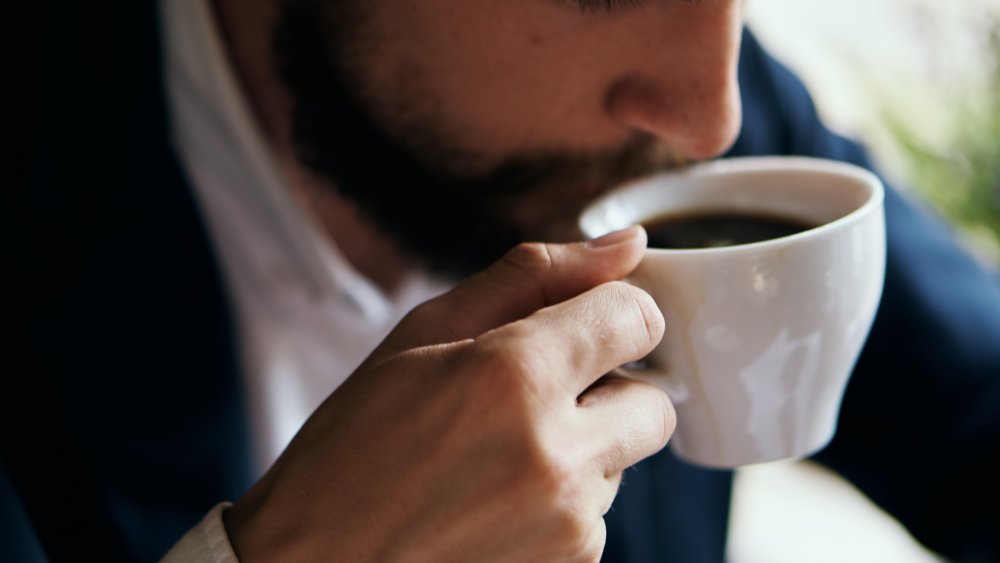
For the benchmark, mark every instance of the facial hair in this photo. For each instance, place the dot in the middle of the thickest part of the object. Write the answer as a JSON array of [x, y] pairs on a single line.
[[404, 182]]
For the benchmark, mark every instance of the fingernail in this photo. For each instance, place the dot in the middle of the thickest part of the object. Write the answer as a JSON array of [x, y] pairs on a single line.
[[616, 237]]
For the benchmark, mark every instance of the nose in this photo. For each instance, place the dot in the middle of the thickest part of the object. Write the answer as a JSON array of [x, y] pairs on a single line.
[[685, 90]]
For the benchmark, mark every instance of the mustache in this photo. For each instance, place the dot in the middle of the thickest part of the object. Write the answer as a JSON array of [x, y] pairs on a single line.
[[519, 176]]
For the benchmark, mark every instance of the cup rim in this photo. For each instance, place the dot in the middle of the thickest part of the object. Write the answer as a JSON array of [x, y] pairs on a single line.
[[751, 164]]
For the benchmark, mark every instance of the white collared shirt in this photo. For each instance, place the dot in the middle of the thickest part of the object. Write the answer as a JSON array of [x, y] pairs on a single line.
[[306, 318]]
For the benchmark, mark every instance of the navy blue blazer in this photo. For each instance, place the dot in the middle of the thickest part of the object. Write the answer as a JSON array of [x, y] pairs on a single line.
[[123, 421]]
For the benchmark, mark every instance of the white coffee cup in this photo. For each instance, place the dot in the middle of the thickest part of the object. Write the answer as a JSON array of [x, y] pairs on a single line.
[[761, 338]]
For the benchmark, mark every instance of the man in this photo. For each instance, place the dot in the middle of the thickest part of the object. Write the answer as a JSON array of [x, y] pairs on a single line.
[[226, 217]]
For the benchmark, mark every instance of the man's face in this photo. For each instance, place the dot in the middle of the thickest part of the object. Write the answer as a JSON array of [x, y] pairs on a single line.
[[464, 127]]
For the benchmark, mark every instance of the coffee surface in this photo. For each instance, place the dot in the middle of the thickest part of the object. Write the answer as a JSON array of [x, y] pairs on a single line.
[[708, 229]]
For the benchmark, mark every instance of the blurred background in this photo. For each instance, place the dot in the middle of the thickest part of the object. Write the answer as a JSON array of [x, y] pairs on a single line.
[[919, 82]]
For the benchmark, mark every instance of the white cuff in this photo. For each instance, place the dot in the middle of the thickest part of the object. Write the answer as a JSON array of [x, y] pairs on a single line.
[[207, 542]]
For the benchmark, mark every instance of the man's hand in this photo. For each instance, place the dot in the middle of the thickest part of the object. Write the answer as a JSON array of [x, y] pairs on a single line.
[[481, 429]]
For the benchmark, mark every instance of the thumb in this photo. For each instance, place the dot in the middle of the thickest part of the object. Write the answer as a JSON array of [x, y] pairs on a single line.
[[529, 277]]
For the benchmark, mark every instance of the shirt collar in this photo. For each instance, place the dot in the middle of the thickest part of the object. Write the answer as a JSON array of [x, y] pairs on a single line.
[[257, 225]]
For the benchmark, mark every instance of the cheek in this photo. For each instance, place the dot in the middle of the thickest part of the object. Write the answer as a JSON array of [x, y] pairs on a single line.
[[505, 80], [485, 80]]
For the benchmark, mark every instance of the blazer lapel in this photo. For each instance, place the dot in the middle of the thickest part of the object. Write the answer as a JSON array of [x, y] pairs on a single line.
[[133, 400]]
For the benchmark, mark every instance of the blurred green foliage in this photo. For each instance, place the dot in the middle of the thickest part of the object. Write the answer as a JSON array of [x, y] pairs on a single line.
[[960, 174]]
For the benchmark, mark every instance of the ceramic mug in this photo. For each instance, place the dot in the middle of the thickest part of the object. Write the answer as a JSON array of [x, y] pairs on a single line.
[[762, 337]]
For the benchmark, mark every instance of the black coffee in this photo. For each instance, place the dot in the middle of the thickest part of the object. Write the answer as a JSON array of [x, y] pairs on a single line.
[[718, 228]]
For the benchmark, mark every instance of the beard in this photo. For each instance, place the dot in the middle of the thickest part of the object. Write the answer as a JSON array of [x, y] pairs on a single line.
[[401, 170]]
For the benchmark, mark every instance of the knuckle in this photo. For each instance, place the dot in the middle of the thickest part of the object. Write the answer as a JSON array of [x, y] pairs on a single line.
[[555, 475], [559, 484], [569, 529], [504, 361], [436, 313], [532, 258], [510, 382], [651, 316], [428, 313], [513, 356], [422, 314], [658, 420], [644, 314], [546, 472]]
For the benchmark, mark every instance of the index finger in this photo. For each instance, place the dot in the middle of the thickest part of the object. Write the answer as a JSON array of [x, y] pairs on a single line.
[[528, 278], [574, 343]]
